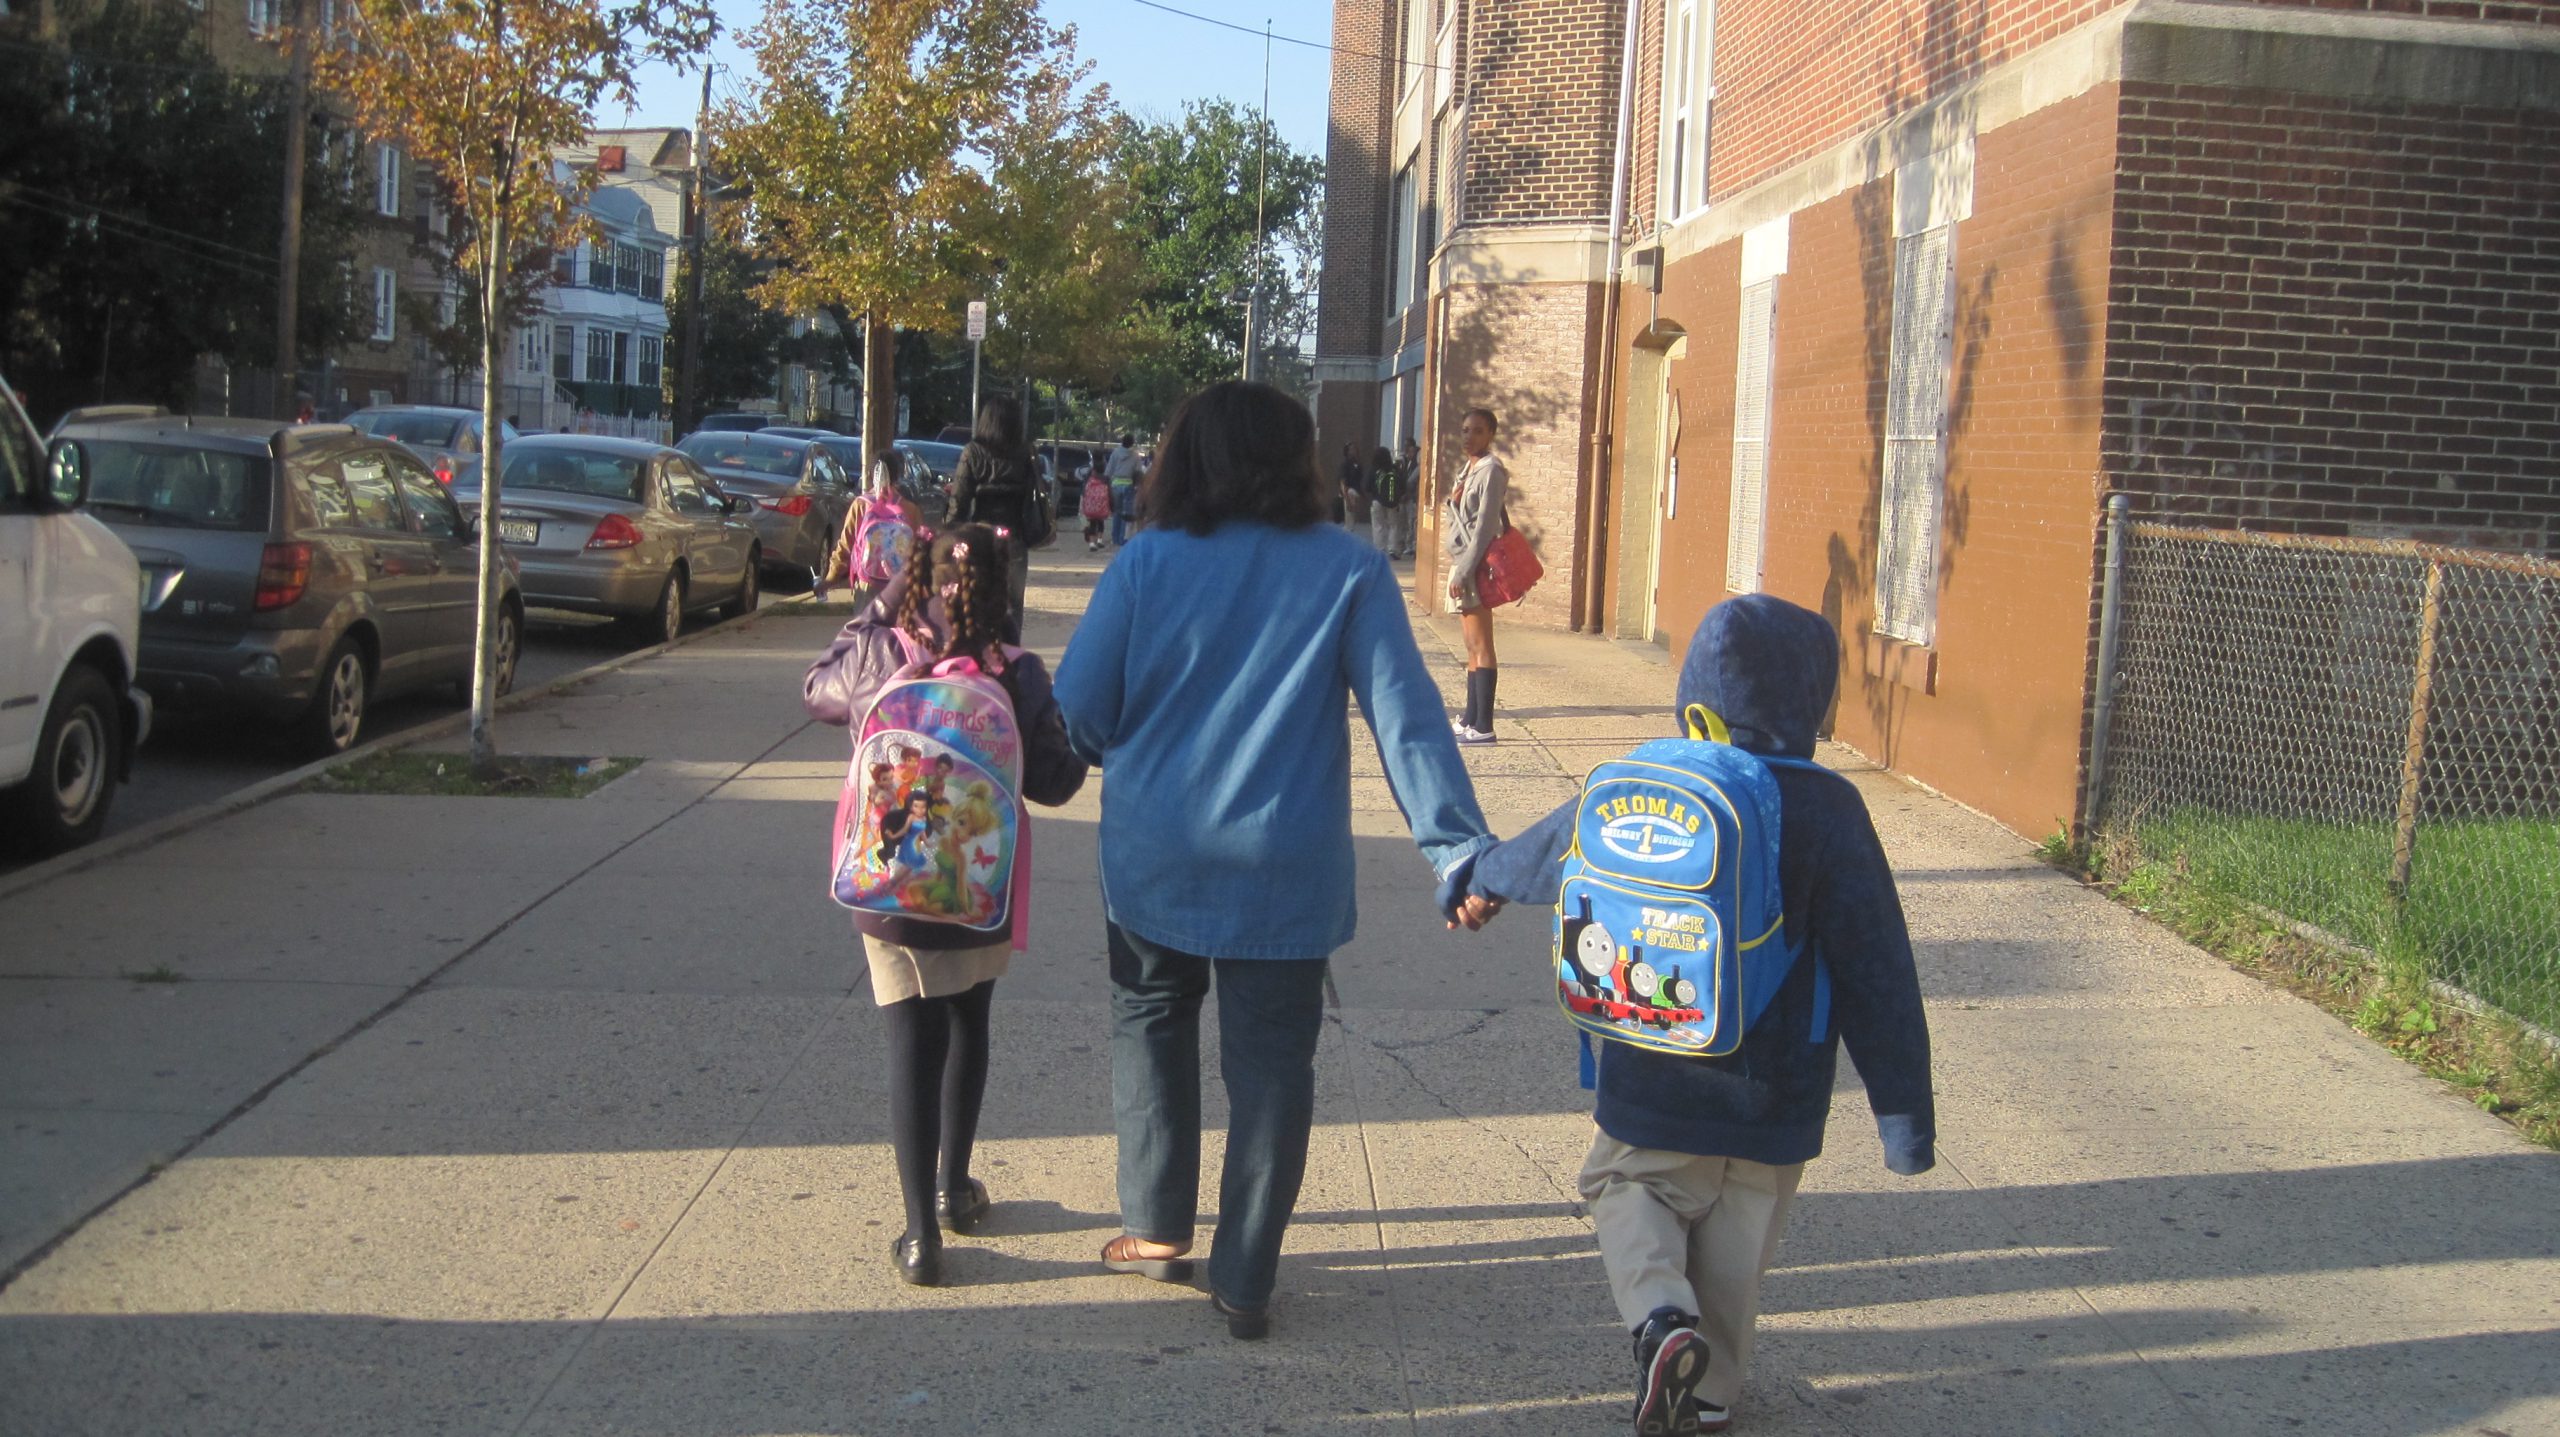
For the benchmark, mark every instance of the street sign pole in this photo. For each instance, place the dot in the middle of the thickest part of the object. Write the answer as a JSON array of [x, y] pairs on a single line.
[[977, 342]]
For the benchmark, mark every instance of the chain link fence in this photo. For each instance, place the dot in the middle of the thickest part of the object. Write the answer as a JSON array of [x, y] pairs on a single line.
[[2362, 736]]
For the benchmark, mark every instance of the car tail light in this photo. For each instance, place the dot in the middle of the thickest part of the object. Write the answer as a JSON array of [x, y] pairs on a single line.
[[794, 505], [614, 532], [284, 571], [444, 471]]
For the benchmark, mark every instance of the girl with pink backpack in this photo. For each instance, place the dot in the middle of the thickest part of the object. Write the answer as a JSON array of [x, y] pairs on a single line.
[[963, 727]]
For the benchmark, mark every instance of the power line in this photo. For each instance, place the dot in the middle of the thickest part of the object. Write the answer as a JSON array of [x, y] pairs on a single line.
[[134, 236], [1284, 39], [105, 213]]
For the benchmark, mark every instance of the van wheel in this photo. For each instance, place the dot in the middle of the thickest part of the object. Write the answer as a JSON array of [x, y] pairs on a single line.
[[335, 719], [63, 803]]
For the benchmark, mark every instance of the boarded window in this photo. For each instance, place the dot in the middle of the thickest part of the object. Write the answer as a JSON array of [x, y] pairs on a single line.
[[1915, 435], [1746, 540]]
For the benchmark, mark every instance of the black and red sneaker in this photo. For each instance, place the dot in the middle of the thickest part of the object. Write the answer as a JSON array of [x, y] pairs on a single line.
[[1671, 1359]]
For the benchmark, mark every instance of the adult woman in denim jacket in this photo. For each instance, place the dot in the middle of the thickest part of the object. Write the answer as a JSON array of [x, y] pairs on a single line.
[[1211, 677]]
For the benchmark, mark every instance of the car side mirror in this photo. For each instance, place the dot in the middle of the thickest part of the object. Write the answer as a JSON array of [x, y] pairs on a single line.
[[67, 477]]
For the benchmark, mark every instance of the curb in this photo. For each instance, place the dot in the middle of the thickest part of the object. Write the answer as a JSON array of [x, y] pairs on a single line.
[[239, 800]]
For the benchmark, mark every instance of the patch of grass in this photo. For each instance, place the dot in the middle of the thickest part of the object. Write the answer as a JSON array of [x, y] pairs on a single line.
[[408, 771], [2385, 986], [2482, 911]]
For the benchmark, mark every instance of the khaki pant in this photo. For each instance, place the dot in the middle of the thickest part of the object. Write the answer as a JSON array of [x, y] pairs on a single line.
[[1692, 1233]]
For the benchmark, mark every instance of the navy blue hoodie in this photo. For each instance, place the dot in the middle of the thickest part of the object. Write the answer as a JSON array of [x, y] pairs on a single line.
[[1768, 668]]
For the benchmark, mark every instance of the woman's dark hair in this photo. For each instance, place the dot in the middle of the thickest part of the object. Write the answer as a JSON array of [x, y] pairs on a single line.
[[999, 427], [1236, 451], [970, 561], [1489, 421], [1385, 458]]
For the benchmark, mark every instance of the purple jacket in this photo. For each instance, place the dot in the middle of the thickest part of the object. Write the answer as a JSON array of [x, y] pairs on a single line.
[[865, 655]]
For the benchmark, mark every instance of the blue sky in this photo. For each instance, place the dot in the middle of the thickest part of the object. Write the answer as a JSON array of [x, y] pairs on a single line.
[[1153, 61]]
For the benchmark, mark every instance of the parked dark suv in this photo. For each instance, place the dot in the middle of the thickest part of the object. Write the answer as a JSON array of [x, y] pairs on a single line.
[[294, 572]]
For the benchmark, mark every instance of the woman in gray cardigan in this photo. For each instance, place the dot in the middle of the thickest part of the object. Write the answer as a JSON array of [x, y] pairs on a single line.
[[1474, 519]]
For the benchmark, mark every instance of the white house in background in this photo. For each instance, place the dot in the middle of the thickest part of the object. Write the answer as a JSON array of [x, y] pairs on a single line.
[[600, 341]]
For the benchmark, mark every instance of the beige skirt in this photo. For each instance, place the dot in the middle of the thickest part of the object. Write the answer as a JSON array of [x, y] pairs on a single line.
[[898, 974]]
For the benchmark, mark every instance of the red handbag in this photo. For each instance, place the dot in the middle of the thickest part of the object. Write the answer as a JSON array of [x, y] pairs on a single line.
[[1509, 570]]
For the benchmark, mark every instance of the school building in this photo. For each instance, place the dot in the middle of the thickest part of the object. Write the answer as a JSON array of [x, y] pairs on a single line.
[[1872, 306]]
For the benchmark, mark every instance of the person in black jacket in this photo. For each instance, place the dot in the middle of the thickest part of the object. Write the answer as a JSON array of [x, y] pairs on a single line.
[[996, 483], [935, 982]]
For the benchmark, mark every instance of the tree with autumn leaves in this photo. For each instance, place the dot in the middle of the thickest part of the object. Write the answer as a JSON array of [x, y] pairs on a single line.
[[483, 92], [887, 150]]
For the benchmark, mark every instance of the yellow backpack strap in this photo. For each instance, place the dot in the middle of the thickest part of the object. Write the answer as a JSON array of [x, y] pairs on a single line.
[[1703, 722]]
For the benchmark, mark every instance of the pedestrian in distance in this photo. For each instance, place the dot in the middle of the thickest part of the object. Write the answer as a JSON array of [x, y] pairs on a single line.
[[997, 483], [1473, 519], [1409, 481], [1386, 499], [1212, 678], [1124, 470], [1355, 498], [1347, 478], [935, 981], [1695, 1161], [1096, 507]]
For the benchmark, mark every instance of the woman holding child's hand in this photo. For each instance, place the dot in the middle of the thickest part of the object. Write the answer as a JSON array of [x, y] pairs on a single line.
[[1212, 677]]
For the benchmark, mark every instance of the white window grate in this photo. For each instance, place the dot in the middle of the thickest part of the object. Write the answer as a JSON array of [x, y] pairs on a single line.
[[1747, 542], [386, 181], [1915, 435], [386, 304]]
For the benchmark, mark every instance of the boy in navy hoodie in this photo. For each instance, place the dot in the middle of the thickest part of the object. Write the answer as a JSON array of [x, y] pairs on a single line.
[[1697, 1159]]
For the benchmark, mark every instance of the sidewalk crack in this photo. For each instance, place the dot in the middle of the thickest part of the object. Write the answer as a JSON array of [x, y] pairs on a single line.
[[1394, 1053]]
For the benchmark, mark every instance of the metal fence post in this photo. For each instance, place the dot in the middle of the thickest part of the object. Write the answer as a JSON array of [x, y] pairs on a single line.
[[2413, 758], [2110, 623]]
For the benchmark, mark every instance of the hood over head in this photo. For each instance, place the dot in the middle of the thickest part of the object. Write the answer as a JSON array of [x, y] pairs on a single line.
[[1768, 668]]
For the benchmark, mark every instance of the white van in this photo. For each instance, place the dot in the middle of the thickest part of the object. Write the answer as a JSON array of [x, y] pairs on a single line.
[[70, 620]]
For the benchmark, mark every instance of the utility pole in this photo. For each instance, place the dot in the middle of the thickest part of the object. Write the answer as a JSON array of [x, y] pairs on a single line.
[[1261, 177], [297, 135], [689, 378]]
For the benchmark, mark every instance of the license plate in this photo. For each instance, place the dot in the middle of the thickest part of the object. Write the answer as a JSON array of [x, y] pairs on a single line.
[[520, 531]]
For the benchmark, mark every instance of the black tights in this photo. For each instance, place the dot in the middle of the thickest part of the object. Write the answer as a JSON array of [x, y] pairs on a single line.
[[937, 1080]]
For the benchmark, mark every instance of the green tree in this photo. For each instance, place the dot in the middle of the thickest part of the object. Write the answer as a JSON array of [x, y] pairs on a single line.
[[124, 153], [863, 140], [742, 337], [483, 92], [1191, 186], [1058, 220]]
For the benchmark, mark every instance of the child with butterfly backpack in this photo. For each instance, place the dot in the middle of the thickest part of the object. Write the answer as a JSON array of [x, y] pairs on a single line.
[[873, 544], [1725, 921], [953, 730]]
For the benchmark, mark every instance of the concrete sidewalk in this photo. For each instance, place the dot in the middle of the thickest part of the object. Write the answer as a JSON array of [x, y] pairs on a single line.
[[564, 1117]]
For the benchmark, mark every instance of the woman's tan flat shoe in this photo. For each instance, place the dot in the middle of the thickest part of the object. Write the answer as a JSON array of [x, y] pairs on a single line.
[[1123, 1254]]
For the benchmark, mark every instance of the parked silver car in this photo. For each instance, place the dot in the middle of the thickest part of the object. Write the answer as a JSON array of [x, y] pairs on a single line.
[[800, 492], [621, 527], [290, 571], [446, 436], [927, 494]]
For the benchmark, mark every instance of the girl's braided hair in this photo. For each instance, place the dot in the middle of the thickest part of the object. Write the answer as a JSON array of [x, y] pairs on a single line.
[[965, 566]]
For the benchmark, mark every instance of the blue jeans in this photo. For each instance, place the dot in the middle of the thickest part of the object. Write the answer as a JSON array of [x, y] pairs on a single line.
[[1270, 1014], [1124, 499]]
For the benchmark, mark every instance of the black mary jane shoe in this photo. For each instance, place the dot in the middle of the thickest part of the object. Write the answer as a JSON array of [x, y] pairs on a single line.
[[962, 1212], [1244, 1324], [919, 1264]]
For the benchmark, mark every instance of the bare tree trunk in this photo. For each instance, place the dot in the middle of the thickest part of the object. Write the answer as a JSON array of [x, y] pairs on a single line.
[[879, 388], [484, 649]]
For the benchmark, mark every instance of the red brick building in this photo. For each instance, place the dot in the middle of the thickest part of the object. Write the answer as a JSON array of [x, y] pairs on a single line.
[[1903, 291]]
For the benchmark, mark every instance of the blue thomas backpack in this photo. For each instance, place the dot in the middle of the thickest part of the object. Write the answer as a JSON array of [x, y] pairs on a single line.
[[1668, 923]]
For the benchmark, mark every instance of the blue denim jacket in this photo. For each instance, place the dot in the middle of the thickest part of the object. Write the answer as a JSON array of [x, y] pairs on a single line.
[[1210, 679]]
